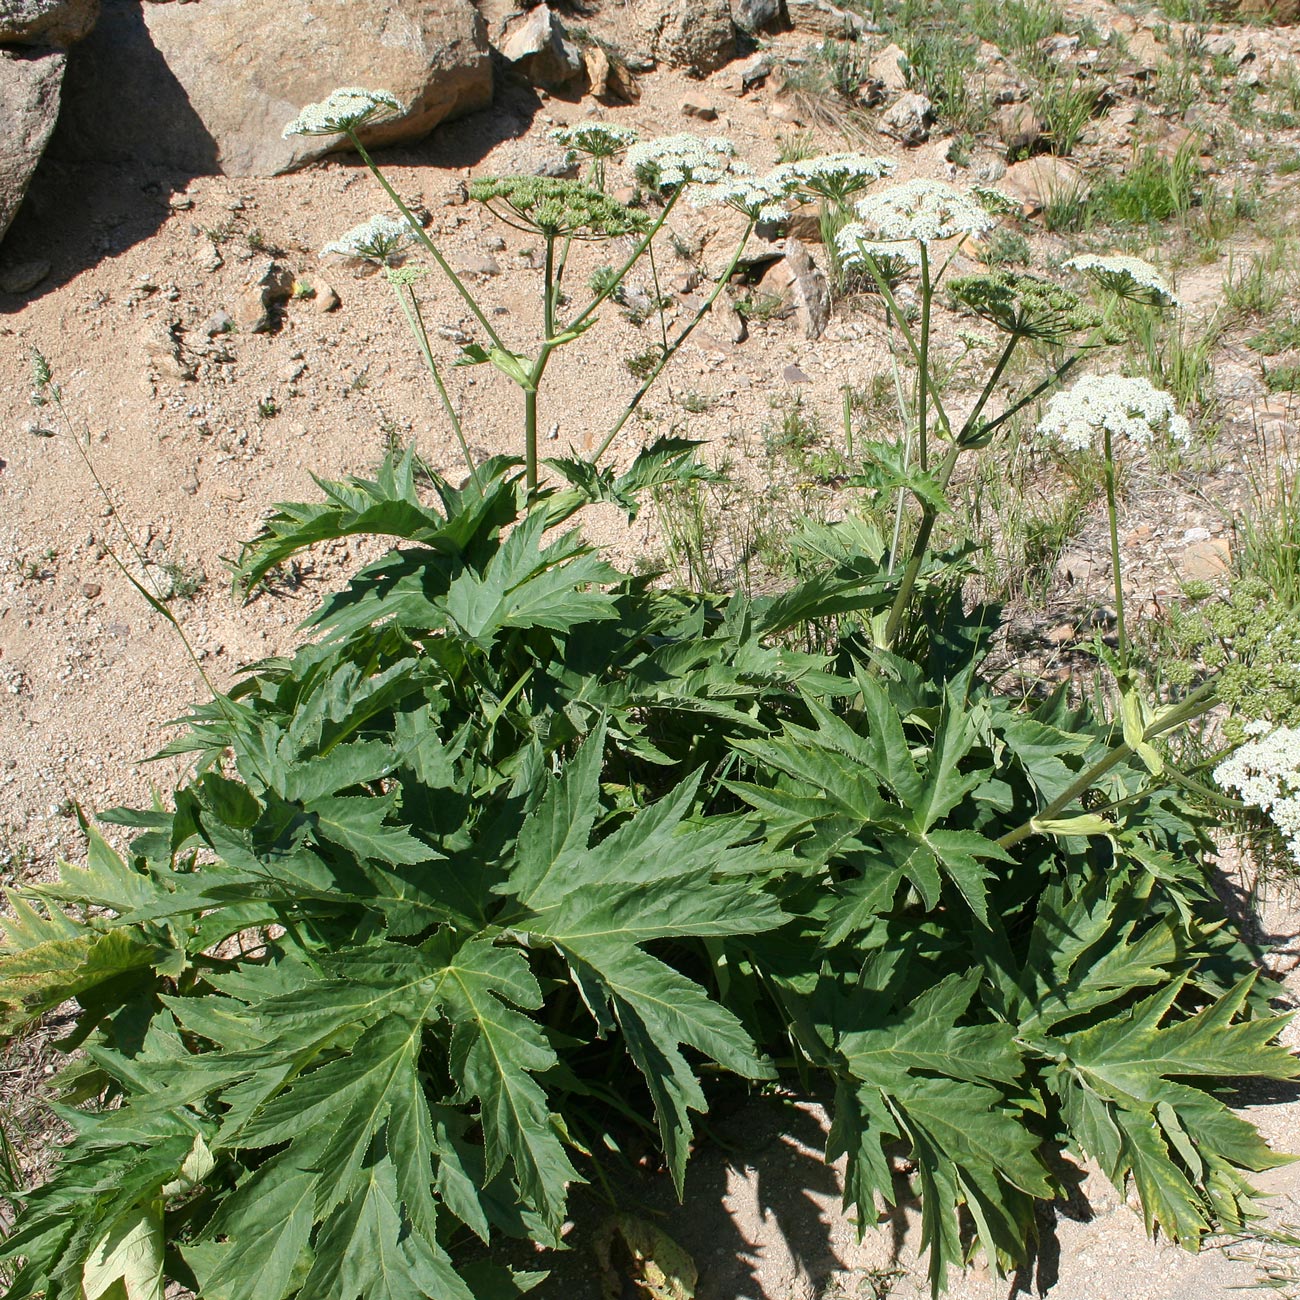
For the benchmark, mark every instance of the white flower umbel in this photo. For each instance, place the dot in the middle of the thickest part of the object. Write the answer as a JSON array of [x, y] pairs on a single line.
[[344, 110], [760, 198], [1114, 404], [922, 210], [835, 176], [596, 139], [674, 160], [855, 245], [380, 240], [1265, 771], [1126, 277]]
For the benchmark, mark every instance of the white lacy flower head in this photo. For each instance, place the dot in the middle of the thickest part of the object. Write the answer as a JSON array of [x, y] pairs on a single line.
[[1114, 404], [598, 139], [836, 175], [1128, 277], [760, 198], [381, 239], [1265, 771], [855, 245], [674, 160], [344, 110], [923, 210]]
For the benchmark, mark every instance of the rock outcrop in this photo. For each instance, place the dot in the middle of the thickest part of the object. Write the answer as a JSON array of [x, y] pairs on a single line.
[[57, 23], [29, 107], [209, 87], [697, 35]]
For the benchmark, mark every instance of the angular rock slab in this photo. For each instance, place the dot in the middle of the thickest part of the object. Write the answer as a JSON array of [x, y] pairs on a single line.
[[46, 22], [210, 87], [29, 107]]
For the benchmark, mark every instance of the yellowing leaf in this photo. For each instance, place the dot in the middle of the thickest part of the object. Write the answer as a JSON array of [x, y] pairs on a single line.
[[127, 1264]]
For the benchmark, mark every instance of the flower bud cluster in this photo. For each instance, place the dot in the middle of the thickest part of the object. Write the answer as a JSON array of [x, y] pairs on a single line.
[[1265, 772], [1124, 407], [595, 139]]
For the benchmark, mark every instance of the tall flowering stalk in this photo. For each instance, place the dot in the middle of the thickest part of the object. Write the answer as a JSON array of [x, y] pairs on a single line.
[[561, 212]]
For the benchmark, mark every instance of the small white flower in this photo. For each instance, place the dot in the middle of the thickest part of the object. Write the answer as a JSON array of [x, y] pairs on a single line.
[[923, 210], [344, 110], [674, 160], [1123, 407], [1265, 771], [835, 176], [598, 139], [1129, 277], [381, 239], [855, 246]]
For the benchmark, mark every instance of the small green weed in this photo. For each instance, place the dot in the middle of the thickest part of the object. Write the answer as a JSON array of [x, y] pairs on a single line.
[[1281, 336], [1283, 379]]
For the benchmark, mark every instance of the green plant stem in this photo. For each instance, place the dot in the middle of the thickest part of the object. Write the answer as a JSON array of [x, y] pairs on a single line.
[[410, 305], [972, 419], [896, 312], [530, 438], [1200, 701], [1116, 571], [423, 237], [910, 574], [848, 422], [671, 350], [923, 363]]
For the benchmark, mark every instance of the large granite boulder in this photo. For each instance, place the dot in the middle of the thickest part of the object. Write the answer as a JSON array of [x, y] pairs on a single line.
[[210, 86], [46, 22], [29, 107], [696, 35]]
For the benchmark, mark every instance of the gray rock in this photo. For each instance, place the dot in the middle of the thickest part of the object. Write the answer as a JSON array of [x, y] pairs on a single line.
[[21, 277], [826, 19], [539, 46], [909, 119], [753, 16], [886, 67], [480, 264], [693, 105], [609, 80], [46, 22], [210, 87], [29, 108], [696, 35], [799, 279]]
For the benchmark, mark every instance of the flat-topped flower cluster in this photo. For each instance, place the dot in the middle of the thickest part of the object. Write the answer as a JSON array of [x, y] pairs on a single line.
[[1265, 772], [1118, 405], [344, 110], [1126, 277], [596, 139], [674, 160], [381, 239], [926, 211]]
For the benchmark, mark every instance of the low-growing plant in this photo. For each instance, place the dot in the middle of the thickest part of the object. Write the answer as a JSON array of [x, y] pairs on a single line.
[[516, 852]]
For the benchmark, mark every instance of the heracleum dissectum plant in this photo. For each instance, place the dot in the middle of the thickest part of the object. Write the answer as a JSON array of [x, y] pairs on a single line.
[[515, 851]]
